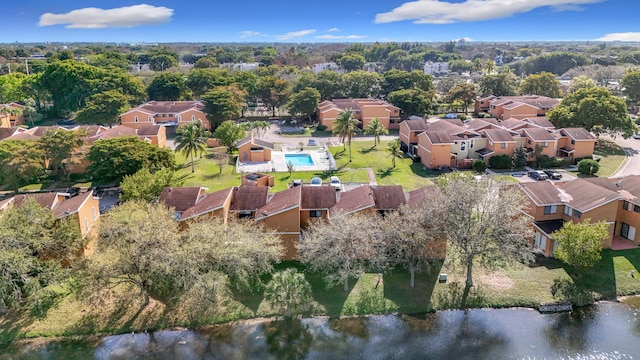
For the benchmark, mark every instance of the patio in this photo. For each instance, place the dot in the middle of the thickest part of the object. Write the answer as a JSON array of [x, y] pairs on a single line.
[[620, 243], [322, 161]]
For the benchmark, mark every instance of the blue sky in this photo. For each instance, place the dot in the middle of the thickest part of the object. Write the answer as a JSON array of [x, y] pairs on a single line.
[[321, 21]]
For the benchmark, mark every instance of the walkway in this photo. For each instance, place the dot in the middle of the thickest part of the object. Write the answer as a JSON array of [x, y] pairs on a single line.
[[372, 177]]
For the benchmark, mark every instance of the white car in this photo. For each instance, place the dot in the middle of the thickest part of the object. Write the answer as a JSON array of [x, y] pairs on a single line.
[[335, 182], [636, 136]]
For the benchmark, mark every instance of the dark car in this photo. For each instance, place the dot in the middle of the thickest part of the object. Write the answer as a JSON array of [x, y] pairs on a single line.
[[538, 175], [552, 174]]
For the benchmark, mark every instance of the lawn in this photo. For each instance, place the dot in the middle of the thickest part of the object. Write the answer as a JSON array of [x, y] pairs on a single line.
[[371, 293], [611, 156]]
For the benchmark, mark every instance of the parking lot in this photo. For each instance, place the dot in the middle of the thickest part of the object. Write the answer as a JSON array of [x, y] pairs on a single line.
[[522, 176]]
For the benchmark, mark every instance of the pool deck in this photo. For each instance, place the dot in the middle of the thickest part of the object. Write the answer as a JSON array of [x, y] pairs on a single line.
[[322, 161]]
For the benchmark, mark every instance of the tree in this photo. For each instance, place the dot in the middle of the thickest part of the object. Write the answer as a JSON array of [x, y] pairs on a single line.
[[412, 102], [394, 151], [199, 81], [289, 293], [147, 186], [304, 102], [138, 245], [479, 166], [221, 158], [588, 167], [59, 147], [464, 92], [103, 108], [346, 127], [580, 244], [162, 62], [221, 105], [543, 84], [11, 88], [167, 87], [412, 237], [21, 162], [581, 82], [590, 107], [361, 84], [484, 223], [503, 84], [228, 134], [113, 159], [394, 80], [290, 167], [519, 157], [273, 91], [631, 86], [351, 61], [376, 129], [191, 139], [489, 65], [343, 247]]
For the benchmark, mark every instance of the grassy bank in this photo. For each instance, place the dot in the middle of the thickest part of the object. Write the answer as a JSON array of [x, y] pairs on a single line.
[[519, 285]]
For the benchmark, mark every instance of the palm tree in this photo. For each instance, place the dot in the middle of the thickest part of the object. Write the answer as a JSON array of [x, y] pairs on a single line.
[[376, 129], [489, 65], [393, 150], [346, 127], [191, 140]]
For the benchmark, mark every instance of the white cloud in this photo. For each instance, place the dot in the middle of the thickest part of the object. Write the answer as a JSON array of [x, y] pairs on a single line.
[[249, 33], [465, 39], [626, 36], [329, 36], [295, 34], [442, 12], [96, 18], [333, 29]]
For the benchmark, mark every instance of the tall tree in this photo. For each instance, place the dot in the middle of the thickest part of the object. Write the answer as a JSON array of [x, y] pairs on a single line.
[[21, 162], [394, 151], [484, 221], [346, 127], [168, 86], [162, 62], [581, 82], [199, 81], [343, 247], [304, 102], [580, 244], [274, 92], [593, 108], [631, 86], [228, 134], [147, 186], [361, 84], [376, 129], [191, 139], [464, 92], [221, 105], [289, 293], [503, 84], [103, 108], [59, 147], [413, 101], [543, 84], [351, 61]]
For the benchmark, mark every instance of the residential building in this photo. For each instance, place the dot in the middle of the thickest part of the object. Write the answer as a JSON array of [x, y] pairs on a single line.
[[251, 149], [409, 131], [614, 201], [82, 208], [240, 66], [330, 66], [362, 109], [516, 107], [433, 68], [181, 199], [575, 143], [167, 113], [11, 115], [153, 134]]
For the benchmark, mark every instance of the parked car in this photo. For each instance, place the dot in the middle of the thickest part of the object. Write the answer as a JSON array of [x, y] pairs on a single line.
[[335, 182], [636, 136], [312, 142], [316, 181], [552, 174], [538, 175], [296, 182]]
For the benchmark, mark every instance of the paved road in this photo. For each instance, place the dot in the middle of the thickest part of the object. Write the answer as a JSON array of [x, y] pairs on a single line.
[[631, 166]]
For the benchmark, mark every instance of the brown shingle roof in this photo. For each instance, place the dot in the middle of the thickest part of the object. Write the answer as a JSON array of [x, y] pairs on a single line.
[[356, 199], [7, 132], [264, 144], [446, 126], [41, 130], [584, 195], [416, 125], [209, 202], [498, 135], [478, 124], [417, 197], [71, 205], [114, 132], [439, 137], [389, 197], [539, 134], [149, 130], [46, 200], [317, 197], [181, 198], [512, 123], [5, 202], [249, 198], [280, 201], [577, 133], [542, 192], [165, 107], [628, 187], [540, 121]]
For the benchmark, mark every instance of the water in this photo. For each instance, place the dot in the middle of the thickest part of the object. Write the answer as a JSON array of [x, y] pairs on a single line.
[[604, 331], [299, 159]]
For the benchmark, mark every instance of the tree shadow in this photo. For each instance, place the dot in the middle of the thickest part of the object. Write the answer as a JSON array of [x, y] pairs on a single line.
[[383, 173], [288, 339], [366, 151], [600, 279], [13, 326], [459, 296], [418, 169], [410, 300], [339, 154], [250, 299], [547, 262]]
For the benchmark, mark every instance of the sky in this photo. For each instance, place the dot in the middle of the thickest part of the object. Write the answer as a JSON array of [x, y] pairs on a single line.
[[296, 21]]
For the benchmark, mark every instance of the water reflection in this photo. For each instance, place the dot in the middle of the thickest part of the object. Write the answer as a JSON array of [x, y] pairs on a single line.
[[607, 330]]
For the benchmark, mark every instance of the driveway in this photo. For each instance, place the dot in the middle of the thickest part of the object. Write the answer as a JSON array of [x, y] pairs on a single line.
[[631, 166]]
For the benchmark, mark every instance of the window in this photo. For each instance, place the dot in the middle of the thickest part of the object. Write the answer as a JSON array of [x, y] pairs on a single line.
[[503, 145], [463, 145], [573, 142], [315, 213], [576, 213], [626, 205], [93, 213], [149, 119], [135, 118], [550, 209], [179, 117], [636, 208], [193, 118], [540, 241], [567, 210], [470, 144], [545, 144], [490, 143], [628, 232], [529, 141], [86, 224]]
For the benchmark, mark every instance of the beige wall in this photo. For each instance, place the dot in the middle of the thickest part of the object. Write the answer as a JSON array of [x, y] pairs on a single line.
[[143, 118], [433, 156], [88, 215], [407, 136], [287, 225], [245, 154], [632, 218], [605, 213], [326, 118], [305, 218]]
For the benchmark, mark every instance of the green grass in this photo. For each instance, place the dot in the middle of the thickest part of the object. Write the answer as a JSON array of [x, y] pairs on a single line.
[[611, 156]]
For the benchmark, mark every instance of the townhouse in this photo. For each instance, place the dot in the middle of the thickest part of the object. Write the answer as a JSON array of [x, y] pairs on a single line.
[[11, 115], [362, 109], [166, 113], [614, 201], [515, 107], [287, 213]]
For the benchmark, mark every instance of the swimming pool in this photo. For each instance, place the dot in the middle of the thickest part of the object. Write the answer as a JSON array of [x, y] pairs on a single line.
[[299, 159]]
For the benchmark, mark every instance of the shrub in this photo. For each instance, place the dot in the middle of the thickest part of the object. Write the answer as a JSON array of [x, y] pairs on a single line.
[[462, 117], [500, 162], [321, 127], [479, 166], [545, 161], [588, 167]]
